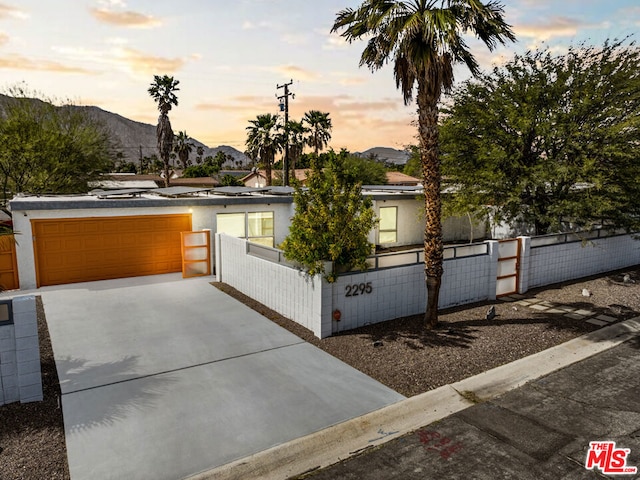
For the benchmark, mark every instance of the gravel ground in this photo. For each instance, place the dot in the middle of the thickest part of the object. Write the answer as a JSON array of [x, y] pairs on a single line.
[[409, 359], [32, 442]]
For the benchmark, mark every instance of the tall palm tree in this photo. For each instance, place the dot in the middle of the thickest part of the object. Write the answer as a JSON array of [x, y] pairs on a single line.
[[424, 39], [162, 90], [297, 141], [319, 126], [264, 141], [183, 148]]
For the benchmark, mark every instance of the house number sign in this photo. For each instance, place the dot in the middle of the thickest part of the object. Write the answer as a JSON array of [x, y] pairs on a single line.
[[358, 289]]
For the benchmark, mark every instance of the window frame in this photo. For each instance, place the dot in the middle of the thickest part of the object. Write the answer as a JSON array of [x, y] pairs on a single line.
[[393, 231]]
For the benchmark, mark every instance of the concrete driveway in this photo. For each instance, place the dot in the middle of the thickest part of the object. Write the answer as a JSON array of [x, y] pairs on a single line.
[[163, 378]]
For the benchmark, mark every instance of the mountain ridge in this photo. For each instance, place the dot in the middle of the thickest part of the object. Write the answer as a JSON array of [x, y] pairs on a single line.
[[138, 139]]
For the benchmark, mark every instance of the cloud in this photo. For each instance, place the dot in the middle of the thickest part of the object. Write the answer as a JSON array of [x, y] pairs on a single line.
[[125, 58], [295, 72], [7, 11], [334, 41], [4, 38], [18, 62], [127, 19], [140, 62], [551, 28], [249, 25]]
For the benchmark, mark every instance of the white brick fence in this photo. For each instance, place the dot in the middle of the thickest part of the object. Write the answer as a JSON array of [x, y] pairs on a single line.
[[396, 288], [20, 374]]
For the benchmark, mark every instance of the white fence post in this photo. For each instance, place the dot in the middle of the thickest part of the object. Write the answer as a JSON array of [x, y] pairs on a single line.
[[493, 251], [218, 250], [525, 264]]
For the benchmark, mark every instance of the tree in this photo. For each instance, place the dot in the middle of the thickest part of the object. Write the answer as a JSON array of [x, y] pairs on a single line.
[[424, 40], [332, 222], [355, 169], [263, 141], [183, 148], [48, 148], [551, 139], [413, 166], [297, 140], [162, 90], [319, 127], [209, 168]]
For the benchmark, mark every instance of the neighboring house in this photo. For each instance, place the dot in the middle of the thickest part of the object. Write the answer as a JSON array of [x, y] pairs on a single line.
[[134, 232], [258, 178], [399, 178]]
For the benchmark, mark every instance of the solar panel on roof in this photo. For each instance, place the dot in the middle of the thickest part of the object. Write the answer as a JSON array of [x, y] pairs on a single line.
[[177, 191], [117, 193], [281, 190], [238, 190]]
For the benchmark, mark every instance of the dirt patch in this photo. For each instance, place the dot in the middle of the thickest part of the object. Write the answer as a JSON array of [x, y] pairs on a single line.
[[32, 442], [405, 357]]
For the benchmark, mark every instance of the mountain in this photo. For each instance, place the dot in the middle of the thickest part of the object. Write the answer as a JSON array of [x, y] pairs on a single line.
[[386, 154], [134, 139]]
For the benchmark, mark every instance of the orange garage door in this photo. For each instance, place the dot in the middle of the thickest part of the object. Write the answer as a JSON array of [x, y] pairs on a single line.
[[72, 250]]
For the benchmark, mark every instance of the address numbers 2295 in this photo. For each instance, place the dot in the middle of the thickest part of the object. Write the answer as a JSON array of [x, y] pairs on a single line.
[[358, 289]]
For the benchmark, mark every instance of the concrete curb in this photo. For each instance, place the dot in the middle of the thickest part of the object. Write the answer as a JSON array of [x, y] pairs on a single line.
[[339, 442]]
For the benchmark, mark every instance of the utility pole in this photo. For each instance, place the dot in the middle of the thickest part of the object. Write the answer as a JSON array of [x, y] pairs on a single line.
[[285, 97]]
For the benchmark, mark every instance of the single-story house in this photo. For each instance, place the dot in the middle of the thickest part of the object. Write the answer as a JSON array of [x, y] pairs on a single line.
[[258, 178], [134, 232]]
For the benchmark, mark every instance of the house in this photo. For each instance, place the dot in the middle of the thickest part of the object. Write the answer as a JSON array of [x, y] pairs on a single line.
[[135, 232], [258, 178]]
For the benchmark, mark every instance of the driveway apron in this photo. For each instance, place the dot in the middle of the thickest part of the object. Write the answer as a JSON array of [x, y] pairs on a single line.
[[163, 378]]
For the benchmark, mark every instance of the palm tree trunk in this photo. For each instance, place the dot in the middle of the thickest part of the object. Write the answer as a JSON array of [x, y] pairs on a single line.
[[433, 246]]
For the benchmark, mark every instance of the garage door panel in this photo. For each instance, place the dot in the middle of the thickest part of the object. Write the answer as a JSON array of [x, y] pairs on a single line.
[[87, 249]]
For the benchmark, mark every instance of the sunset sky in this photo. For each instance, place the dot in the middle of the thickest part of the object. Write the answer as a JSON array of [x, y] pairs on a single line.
[[230, 55]]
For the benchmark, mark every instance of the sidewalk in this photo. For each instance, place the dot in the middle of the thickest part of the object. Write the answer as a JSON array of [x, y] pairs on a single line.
[[533, 418], [539, 431]]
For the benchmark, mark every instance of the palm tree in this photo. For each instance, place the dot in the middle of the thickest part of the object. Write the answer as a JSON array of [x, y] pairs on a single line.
[[424, 39], [162, 91], [297, 141], [183, 148], [264, 141], [319, 126]]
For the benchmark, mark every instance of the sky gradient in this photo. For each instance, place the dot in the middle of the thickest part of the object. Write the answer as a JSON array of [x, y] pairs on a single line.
[[230, 55]]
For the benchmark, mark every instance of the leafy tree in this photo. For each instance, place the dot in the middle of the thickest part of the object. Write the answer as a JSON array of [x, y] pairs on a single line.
[[413, 167], [183, 148], [424, 40], [209, 168], [365, 171], [332, 222], [264, 141], [551, 140], [47, 148], [229, 180], [318, 125], [162, 90]]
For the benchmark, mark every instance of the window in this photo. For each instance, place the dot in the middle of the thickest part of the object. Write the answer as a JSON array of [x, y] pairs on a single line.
[[257, 227], [261, 228], [388, 226]]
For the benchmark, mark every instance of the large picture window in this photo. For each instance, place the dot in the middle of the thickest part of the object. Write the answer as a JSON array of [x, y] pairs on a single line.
[[388, 226], [257, 227]]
